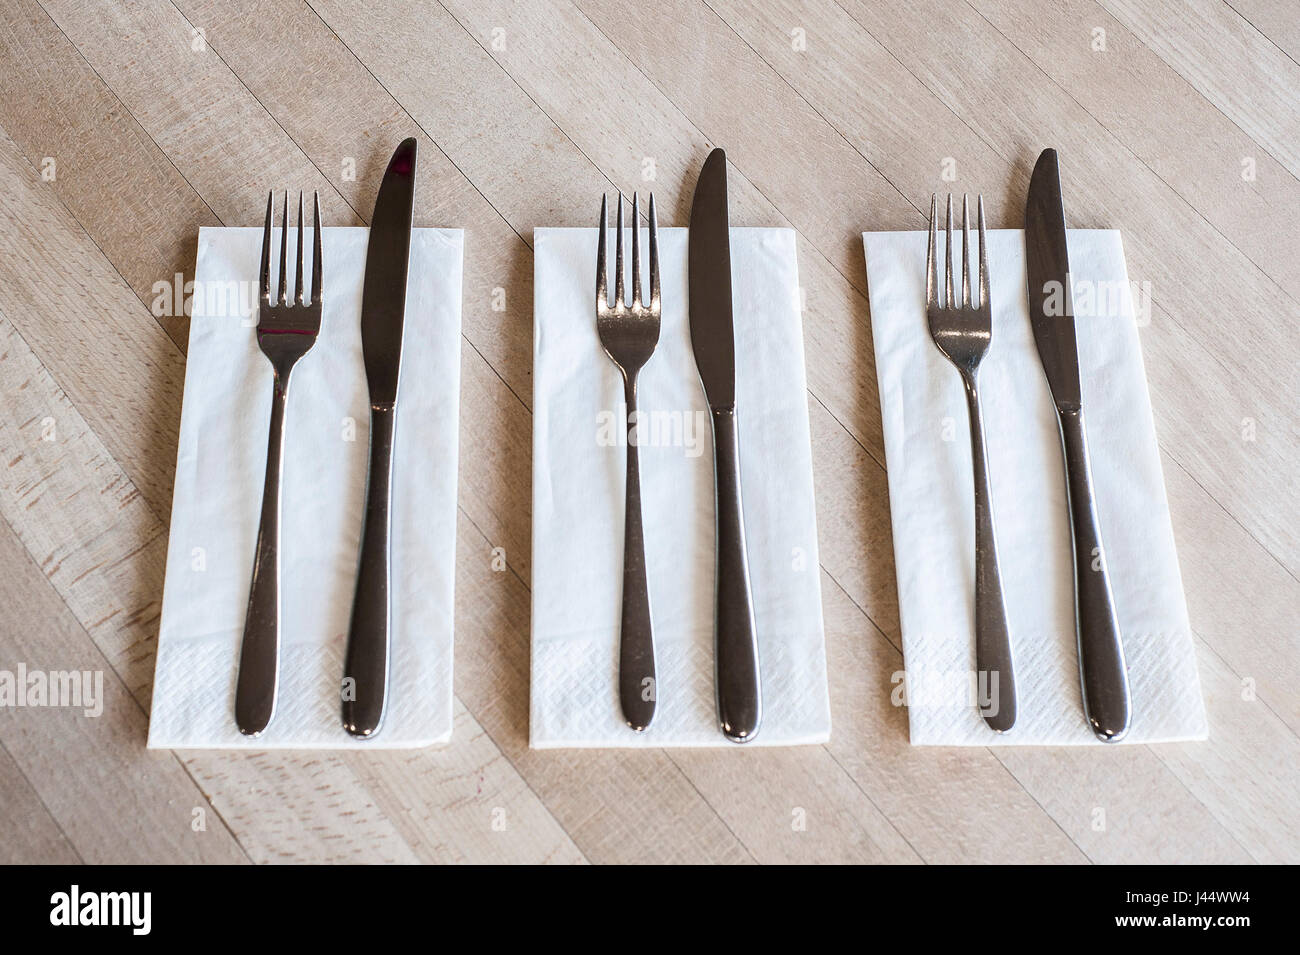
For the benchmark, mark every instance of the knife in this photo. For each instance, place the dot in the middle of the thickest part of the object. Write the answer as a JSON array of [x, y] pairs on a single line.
[[383, 309], [1107, 704], [713, 339]]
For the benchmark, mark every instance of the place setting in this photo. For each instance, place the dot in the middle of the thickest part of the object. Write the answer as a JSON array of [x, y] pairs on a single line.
[[1040, 597], [675, 588], [309, 589]]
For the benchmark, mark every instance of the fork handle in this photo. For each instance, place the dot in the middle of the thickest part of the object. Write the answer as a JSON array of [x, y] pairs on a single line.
[[365, 667], [1103, 673], [637, 686], [736, 642], [993, 662], [259, 654]]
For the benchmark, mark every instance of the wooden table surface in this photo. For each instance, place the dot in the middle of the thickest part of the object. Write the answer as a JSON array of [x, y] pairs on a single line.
[[125, 126]]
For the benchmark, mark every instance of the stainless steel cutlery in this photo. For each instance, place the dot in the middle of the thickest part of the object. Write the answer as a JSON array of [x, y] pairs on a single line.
[[962, 332], [629, 332], [736, 663], [286, 330], [628, 329], [383, 313], [1102, 668]]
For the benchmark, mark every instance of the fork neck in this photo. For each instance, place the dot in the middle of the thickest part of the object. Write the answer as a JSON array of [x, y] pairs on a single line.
[[630, 372], [969, 372], [283, 356]]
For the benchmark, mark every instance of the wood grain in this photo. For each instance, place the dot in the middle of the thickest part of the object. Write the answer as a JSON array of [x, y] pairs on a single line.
[[126, 126]]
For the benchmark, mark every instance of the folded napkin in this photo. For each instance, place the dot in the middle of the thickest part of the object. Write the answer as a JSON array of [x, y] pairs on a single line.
[[578, 496], [931, 500], [219, 472]]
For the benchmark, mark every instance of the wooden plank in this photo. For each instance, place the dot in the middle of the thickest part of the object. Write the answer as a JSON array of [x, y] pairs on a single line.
[[464, 802], [1275, 19], [1233, 65], [176, 88], [1125, 808], [1195, 149], [796, 806], [28, 833], [129, 392], [1239, 599], [298, 807], [1247, 771], [102, 165], [112, 800], [74, 510]]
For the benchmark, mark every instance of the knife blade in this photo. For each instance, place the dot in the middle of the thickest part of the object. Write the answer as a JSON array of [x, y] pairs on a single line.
[[736, 666], [383, 313], [1103, 673]]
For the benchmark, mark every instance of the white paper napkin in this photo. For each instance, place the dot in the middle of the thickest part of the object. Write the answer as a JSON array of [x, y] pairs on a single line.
[[219, 473], [931, 500], [578, 495]]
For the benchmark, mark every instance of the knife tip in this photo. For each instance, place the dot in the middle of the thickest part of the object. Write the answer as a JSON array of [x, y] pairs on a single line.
[[403, 160]]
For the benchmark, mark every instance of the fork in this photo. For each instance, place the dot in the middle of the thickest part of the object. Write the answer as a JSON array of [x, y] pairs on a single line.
[[962, 333], [286, 330], [628, 333]]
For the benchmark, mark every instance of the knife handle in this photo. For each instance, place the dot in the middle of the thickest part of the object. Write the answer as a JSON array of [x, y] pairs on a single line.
[[365, 668], [637, 689], [1107, 704], [736, 642], [259, 653]]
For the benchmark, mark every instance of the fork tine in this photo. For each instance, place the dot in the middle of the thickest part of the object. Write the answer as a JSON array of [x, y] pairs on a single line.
[[618, 257], [602, 276], [654, 258], [931, 278], [317, 266], [297, 293], [284, 253], [965, 252], [984, 262], [636, 251], [264, 286], [952, 291]]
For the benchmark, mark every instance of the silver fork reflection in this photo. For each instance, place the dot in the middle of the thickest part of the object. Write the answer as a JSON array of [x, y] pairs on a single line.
[[628, 333], [963, 332], [286, 330]]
